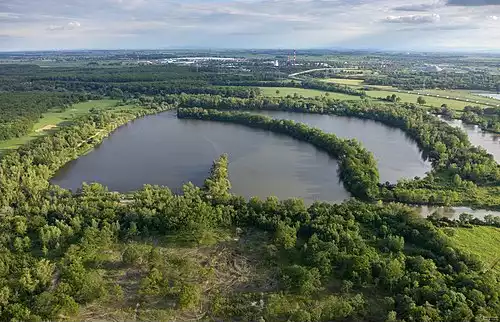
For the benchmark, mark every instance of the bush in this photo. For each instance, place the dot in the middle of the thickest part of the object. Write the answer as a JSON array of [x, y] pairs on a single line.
[[131, 255], [189, 296]]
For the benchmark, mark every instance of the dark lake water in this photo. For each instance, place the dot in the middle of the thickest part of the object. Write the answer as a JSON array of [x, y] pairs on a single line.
[[489, 141], [397, 155], [161, 149]]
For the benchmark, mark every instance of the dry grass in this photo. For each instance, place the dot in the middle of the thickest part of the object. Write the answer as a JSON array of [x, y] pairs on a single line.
[[46, 128], [229, 266]]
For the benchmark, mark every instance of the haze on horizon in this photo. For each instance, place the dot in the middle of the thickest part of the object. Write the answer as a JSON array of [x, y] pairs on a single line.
[[421, 25]]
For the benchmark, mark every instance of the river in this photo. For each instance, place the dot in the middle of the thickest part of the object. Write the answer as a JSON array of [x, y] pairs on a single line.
[[161, 149], [490, 95], [455, 212]]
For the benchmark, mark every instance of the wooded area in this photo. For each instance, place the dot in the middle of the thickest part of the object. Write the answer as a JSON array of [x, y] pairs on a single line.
[[207, 254]]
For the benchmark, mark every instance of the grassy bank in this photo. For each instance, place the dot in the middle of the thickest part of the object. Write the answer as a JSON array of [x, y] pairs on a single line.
[[481, 241], [54, 119]]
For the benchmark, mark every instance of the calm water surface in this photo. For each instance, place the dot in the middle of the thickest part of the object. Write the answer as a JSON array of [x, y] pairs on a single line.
[[490, 95], [397, 155], [489, 141], [455, 212], [161, 149]]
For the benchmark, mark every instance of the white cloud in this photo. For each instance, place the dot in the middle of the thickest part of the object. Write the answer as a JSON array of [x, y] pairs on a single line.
[[243, 23], [420, 6], [473, 3], [414, 19], [8, 16], [69, 26]]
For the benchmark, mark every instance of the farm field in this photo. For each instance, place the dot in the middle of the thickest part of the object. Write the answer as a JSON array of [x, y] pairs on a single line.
[[481, 241], [53, 119], [343, 81], [412, 98], [284, 91], [463, 94]]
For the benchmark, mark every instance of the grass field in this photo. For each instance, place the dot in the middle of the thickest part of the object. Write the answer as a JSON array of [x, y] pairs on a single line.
[[481, 241], [463, 94], [344, 81], [445, 96], [284, 91], [53, 119], [412, 98]]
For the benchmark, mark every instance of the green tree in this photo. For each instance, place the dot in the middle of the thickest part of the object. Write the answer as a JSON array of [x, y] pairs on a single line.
[[131, 255], [457, 181], [421, 100], [285, 236], [301, 280]]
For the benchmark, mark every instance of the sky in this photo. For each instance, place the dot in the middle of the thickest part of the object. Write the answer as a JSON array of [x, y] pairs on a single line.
[[413, 25]]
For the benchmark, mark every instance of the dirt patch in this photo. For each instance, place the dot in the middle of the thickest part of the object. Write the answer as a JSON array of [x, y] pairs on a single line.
[[46, 128], [234, 265]]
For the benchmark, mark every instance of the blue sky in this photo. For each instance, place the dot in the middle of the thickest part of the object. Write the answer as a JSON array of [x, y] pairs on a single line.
[[384, 24]]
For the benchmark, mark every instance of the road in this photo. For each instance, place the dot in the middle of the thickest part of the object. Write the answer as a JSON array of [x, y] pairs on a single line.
[[310, 71]]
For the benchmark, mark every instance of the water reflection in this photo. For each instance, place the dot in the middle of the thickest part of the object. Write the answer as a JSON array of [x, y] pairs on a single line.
[[454, 212], [161, 149], [397, 155], [487, 140]]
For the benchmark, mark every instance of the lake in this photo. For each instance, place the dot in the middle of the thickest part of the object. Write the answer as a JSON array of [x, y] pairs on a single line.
[[397, 155], [489, 141], [161, 149]]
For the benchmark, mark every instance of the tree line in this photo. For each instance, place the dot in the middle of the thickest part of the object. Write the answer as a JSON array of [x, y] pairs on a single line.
[[462, 174], [19, 111], [476, 80], [445, 146], [354, 261], [357, 167]]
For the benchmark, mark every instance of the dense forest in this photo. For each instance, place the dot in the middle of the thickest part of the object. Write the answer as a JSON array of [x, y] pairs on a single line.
[[446, 80], [208, 255], [19, 111], [353, 261], [147, 80]]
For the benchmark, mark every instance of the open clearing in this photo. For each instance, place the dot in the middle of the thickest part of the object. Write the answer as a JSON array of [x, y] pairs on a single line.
[[284, 91], [412, 98], [344, 81], [219, 267], [46, 128], [53, 118], [463, 94], [456, 99], [481, 241]]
